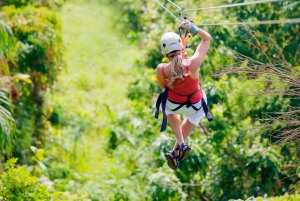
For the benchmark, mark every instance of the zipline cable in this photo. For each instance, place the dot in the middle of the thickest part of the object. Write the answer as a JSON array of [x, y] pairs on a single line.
[[167, 10], [234, 5], [174, 4], [287, 21]]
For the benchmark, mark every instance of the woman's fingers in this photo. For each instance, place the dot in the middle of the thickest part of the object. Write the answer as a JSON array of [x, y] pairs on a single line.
[[185, 24]]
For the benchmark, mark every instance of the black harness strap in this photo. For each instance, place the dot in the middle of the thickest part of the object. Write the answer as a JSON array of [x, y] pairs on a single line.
[[162, 100], [187, 103]]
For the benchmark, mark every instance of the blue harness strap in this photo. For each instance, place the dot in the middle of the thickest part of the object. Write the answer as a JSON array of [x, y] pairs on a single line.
[[162, 99], [206, 111]]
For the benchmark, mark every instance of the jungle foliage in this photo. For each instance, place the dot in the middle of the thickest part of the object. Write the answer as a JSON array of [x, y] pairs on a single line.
[[88, 132], [7, 43], [17, 183], [54, 5], [37, 58]]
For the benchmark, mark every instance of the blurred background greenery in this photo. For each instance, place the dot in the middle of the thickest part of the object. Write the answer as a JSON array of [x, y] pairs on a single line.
[[78, 90]]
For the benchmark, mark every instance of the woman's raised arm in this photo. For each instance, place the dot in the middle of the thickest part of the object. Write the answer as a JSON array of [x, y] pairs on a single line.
[[202, 48]]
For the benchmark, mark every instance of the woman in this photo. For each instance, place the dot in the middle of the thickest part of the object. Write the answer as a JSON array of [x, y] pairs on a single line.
[[179, 80]]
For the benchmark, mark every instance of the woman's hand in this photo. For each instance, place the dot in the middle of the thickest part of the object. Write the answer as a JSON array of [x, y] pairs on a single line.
[[185, 24], [189, 26]]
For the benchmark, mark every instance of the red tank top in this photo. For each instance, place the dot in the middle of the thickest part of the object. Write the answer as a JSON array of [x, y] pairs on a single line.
[[183, 88]]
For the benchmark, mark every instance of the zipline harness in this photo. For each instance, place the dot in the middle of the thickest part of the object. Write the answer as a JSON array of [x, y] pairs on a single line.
[[162, 100]]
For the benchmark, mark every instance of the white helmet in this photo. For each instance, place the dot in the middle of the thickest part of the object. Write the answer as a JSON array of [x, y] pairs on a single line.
[[169, 42]]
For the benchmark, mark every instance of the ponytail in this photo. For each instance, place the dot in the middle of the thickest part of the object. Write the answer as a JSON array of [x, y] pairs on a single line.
[[177, 71]]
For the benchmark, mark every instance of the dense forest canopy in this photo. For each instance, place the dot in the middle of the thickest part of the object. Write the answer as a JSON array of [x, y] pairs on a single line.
[[78, 91]]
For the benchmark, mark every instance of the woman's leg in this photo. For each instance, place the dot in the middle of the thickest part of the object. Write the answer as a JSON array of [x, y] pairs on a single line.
[[186, 129], [175, 123]]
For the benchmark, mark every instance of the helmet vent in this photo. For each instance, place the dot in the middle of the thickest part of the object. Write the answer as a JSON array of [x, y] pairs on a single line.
[[164, 45], [179, 40]]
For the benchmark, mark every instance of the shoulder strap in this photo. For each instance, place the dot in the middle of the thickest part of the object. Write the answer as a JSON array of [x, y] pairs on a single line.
[[185, 64], [187, 68]]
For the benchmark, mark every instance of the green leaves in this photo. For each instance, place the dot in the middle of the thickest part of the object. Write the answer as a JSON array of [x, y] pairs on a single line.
[[39, 41], [252, 199], [16, 183], [6, 36], [7, 123], [38, 53], [53, 4], [39, 153], [22, 77], [10, 163], [7, 43]]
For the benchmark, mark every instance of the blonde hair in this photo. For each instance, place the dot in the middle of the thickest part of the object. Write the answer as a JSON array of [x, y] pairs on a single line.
[[177, 71]]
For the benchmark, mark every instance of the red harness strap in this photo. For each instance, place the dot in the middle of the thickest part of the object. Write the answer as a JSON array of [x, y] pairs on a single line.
[[184, 41]]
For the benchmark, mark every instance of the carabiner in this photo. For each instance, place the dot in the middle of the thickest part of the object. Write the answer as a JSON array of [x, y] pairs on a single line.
[[182, 9], [185, 35]]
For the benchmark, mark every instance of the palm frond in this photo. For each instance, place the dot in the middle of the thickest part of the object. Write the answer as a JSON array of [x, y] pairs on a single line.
[[7, 123]]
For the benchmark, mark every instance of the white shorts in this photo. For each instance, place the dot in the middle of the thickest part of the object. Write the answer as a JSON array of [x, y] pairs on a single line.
[[193, 116]]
